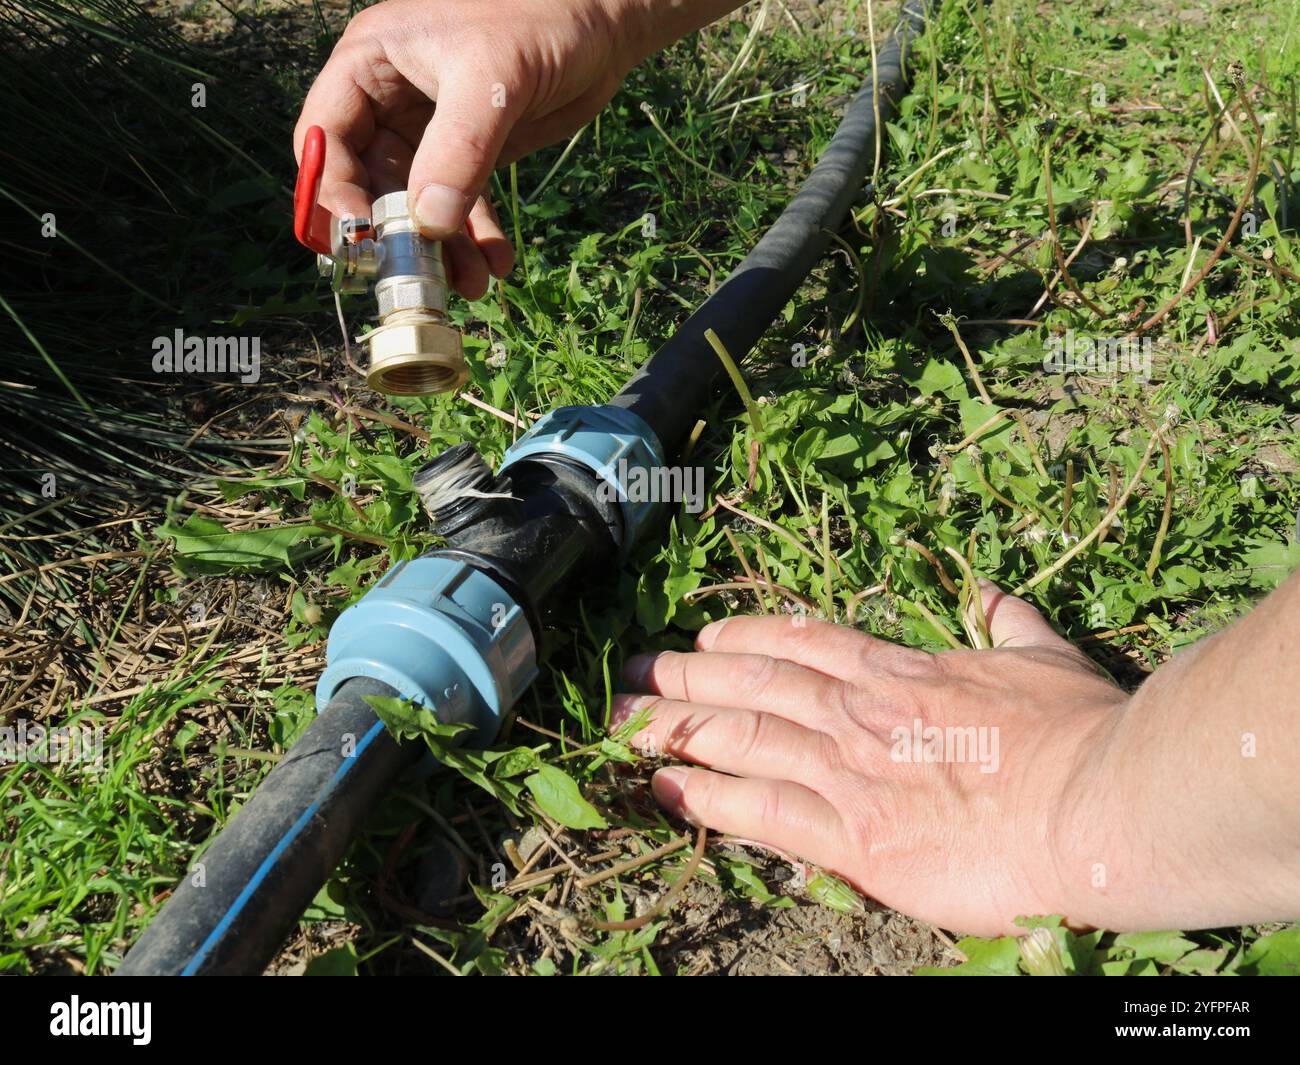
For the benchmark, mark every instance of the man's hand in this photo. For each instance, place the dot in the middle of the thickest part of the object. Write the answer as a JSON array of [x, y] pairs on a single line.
[[507, 76], [820, 735], [1053, 792], [824, 735]]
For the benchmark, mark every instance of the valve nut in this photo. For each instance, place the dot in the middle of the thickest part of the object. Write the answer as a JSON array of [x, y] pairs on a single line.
[[410, 293], [416, 359], [391, 209]]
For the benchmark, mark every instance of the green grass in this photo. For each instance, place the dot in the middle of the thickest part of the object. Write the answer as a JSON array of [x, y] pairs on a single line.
[[864, 398], [89, 849]]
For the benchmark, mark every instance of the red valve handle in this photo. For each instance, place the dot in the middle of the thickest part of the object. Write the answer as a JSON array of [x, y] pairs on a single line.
[[311, 222]]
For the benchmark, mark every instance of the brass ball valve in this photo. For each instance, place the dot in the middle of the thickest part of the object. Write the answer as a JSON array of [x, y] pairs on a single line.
[[414, 351]]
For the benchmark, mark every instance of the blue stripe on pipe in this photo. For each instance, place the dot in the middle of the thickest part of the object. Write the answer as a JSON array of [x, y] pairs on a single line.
[[277, 851]]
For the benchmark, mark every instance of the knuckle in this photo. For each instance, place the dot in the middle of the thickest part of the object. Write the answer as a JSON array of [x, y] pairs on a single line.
[[769, 808], [762, 678], [857, 759], [912, 664], [900, 706], [830, 761], [473, 142], [750, 735], [922, 664], [366, 21]]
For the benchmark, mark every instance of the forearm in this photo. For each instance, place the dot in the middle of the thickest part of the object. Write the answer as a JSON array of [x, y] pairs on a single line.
[[1189, 807], [651, 25]]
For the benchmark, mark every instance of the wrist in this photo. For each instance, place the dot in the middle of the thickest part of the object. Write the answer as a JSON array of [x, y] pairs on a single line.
[[644, 27], [1088, 818], [1155, 830]]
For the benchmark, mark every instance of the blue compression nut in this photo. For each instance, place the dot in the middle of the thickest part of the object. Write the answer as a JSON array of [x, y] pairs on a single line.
[[444, 635], [611, 442]]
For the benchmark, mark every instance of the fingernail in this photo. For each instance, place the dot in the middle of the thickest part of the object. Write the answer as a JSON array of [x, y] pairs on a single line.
[[623, 707], [637, 669], [669, 787], [708, 635], [440, 210]]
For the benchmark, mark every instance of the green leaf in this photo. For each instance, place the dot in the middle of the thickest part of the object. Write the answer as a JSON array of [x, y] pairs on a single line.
[[391, 471], [809, 447], [1164, 947], [512, 763], [743, 879], [407, 720], [232, 490], [557, 794], [340, 961], [411, 721], [618, 752], [1202, 962], [328, 905], [185, 734], [204, 545], [349, 574], [295, 709], [937, 375], [1271, 563], [984, 957], [1275, 955]]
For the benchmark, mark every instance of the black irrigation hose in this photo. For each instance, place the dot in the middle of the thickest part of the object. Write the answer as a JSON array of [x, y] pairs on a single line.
[[240, 901], [670, 390]]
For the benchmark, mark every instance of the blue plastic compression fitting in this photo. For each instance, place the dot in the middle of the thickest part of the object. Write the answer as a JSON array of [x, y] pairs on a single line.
[[444, 635], [613, 443]]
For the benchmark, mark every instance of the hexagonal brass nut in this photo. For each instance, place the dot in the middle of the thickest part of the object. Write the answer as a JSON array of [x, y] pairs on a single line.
[[390, 208], [416, 359], [410, 293]]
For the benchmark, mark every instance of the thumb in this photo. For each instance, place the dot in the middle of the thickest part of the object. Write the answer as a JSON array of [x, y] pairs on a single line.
[[1014, 623], [460, 146]]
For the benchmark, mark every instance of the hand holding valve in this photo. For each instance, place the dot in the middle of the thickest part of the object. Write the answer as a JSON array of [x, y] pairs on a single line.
[[413, 352], [431, 96]]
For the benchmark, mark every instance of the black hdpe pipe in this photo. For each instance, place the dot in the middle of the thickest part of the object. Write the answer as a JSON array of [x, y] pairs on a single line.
[[240, 901], [670, 390]]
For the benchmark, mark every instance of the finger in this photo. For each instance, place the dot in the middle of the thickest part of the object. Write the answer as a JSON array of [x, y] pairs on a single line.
[[775, 812], [742, 742], [339, 106], [742, 681], [459, 148], [529, 135], [387, 159], [1014, 623], [485, 228], [835, 650], [467, 269]]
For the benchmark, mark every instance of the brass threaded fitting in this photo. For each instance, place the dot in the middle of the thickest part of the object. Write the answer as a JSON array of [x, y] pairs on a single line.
[[415, 356], [414, 352]]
